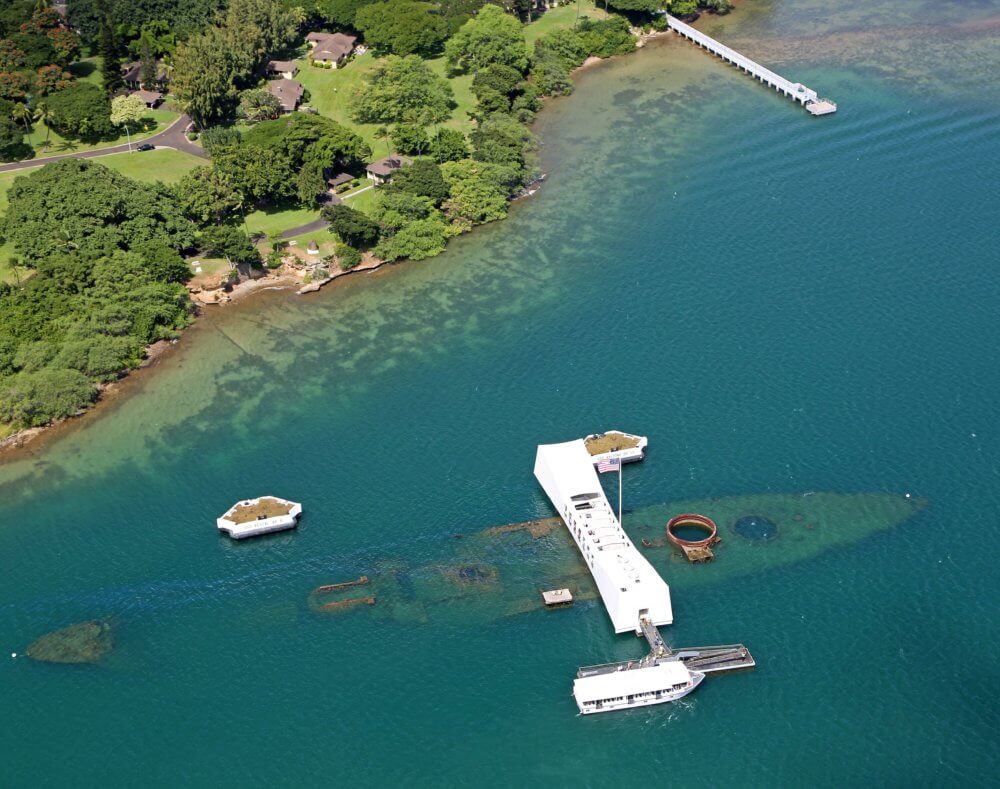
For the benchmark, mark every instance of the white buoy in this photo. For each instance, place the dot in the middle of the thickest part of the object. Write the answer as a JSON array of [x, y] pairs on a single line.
[[907, 495], [13, 654]]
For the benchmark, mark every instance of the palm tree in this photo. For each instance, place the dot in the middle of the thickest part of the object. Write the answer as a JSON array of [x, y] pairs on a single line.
[[22, 112], [382, 133], [44, 114]]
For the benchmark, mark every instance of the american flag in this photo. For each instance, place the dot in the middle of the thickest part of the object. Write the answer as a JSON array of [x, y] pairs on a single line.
[[612, 464]]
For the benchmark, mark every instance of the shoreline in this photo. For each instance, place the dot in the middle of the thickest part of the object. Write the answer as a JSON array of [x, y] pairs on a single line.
[[27, 440]]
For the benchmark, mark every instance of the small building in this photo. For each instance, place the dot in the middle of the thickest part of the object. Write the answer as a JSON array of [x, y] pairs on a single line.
[[151, 98], [381, 171], [132, 76], [338, 180], [288, 92], [332, 48], [286, 69]]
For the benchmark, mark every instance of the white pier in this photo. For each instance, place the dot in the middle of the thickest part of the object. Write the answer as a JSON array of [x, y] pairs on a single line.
[[794, 90], [630, 588]]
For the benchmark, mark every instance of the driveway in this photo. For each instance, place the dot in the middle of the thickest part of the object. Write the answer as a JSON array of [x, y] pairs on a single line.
[[171, 137]]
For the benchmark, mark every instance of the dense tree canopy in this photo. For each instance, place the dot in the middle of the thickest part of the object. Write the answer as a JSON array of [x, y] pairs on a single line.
[[212, 66], [491, 37], [81, 111], [400, 89], [79, 205], [403, 27], [353, 227], [107, 283]]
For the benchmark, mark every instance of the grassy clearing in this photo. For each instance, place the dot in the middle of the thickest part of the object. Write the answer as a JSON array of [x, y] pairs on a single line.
[[564, 16], [363, 200], [87, 70], [331, 89], [159, 120], [279, 218], [163, 164]]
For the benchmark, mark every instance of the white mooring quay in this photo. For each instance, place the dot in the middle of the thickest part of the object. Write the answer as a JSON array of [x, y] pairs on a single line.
[[636, 598], [795, 90]]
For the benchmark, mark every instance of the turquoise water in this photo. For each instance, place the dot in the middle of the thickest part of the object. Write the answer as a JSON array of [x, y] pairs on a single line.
[[783, 304]]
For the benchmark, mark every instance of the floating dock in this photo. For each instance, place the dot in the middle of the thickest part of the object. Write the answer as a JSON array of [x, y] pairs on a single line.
[[793, 90]]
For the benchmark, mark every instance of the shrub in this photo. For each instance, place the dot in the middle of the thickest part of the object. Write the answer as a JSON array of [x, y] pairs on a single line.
[[347, 257]]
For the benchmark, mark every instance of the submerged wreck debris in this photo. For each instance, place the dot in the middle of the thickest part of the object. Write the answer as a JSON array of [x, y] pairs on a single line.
[[696, 550], [342, 585], [472, 574], [84, 642], [536, 529], [344, 605], [496, 572]]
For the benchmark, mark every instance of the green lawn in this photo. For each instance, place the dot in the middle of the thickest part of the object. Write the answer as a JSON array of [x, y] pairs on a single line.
[[87, 70], [163, 164], [277, 220], [564, 16], [331, 89], [362, 201], [161, 119]]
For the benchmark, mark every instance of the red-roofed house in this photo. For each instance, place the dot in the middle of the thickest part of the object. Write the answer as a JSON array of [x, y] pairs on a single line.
[[331, 47]]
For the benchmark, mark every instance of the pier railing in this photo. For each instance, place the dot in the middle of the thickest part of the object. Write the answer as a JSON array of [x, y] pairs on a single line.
[[795, 90]]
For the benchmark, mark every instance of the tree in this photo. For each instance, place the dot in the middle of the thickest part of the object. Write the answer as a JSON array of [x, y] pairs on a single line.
[[340, 13], [81, 110], [111, 67], [65, 43], [353, 227], [94, 209], [410, 138], [206, 197], [34, 399], [231, 243], [448, 145], [44, 115], [11, 139], [500, 139], [637, 5], [491, 37], [418, 240], [394, 210], [21, 112], [127, 111], [479, 192], [347, 256], [51, 79], [204, 78], [215, 138], [147, 62], [261, 174], [398, 88], [259, 104], [424, 178], [402, 27]]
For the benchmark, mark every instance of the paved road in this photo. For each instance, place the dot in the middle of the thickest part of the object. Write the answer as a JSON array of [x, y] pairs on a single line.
[[171, 137], [317, 224]]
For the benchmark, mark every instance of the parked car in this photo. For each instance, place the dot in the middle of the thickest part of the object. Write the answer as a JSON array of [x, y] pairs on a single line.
[[146, 146]]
